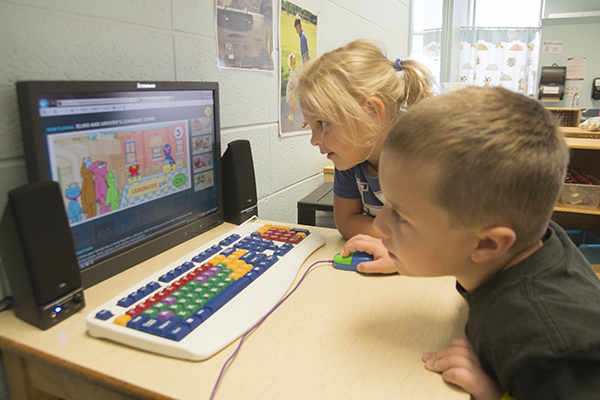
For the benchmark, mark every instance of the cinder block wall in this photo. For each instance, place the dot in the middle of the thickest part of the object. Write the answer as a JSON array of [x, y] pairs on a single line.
[[175, 40]]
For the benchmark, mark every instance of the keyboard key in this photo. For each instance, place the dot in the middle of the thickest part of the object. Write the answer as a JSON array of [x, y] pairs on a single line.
[[162, 328], [137, 321], [125, 302], [104, 315], [178, 333], [148, 325], [227, 294], [192, 322], [164, 315], [202, 314], [122, 320]]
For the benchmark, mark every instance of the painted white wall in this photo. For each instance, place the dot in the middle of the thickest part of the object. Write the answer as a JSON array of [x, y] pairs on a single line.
[[175, 40]]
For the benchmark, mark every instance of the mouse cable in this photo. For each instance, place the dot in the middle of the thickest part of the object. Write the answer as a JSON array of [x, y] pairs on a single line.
[[227, 363]]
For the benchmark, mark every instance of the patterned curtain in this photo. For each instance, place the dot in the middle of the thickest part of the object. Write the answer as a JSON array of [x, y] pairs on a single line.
[[500, 57]]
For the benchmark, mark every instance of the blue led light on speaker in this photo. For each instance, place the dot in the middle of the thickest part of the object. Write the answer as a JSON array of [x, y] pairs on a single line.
[[57, 309]]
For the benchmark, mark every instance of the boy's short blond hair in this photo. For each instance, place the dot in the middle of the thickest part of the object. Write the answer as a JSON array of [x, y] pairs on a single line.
[[498, 155], [337, 84]]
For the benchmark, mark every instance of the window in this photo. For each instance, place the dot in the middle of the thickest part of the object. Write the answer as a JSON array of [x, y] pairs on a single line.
[[486, 43], [427, 33], [130, 155]]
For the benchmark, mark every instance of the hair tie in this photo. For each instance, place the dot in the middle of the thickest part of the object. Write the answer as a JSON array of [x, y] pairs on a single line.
[[398, 64]]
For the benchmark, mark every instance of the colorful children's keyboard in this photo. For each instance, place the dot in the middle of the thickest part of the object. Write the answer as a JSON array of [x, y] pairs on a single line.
[[204, 301]]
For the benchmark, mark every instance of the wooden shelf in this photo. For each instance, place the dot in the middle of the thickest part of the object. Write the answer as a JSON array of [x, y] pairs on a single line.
[[577, 210], [583, 143], [579, 139]]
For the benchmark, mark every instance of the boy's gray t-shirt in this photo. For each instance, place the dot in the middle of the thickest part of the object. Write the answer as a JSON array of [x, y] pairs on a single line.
[[536, 326]]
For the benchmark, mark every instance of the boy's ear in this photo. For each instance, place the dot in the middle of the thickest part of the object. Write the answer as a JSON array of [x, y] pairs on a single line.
[[375, 107], [492, 243]]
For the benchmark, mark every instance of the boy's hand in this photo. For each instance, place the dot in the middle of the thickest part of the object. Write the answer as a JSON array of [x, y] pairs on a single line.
[[459, 365], [381, 264]]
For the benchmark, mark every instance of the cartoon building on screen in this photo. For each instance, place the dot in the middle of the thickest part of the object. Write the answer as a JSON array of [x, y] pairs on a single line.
[[104, 171]]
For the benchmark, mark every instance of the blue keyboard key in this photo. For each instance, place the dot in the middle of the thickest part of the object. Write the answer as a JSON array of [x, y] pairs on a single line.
[[104, 315], [258, 270], [228, 251], [227, 294], [168, 277], [199, 258], [180, 270], [202, 313], [137, 295], [268, 261], [125, 302], [153, 286], [192, 322], [230, 239], [137, 321], [148, 325], [254, 258], [252, 275], [164, 327], [176, 272], [178, 333]]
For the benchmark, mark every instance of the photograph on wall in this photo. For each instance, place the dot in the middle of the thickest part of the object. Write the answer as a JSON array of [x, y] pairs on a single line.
[[245, 34], [298, 45]]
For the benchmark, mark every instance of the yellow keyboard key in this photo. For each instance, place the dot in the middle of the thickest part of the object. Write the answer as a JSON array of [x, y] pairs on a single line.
[[236, 275], [122, 320], [217, 259]]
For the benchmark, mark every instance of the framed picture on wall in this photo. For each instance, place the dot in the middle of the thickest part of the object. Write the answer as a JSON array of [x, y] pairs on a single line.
[[245, 34], [297, 44]]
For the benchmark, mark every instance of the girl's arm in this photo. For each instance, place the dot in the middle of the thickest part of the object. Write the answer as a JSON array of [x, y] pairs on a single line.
[[350, 220]]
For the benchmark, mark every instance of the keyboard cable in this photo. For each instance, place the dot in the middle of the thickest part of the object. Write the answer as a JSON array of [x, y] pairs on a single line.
[[227, 363]]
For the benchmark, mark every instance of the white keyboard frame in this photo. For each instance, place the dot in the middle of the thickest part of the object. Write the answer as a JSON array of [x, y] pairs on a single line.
[[228, 323]]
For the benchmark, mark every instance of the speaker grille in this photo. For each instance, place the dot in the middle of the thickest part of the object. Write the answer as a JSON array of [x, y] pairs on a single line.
[[239, 183], [45, 236]]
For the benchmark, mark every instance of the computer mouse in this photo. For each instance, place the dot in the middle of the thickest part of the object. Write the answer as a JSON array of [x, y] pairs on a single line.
[[350, 262]]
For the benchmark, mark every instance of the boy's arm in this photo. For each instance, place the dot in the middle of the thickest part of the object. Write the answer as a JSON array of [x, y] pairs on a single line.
[[460, 366], [350, 219]]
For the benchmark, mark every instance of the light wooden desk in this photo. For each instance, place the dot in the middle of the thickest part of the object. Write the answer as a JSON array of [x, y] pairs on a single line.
[[339, 336], [328, 172]]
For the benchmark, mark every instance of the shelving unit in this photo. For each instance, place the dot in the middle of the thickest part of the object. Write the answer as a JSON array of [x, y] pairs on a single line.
[[585, 156]]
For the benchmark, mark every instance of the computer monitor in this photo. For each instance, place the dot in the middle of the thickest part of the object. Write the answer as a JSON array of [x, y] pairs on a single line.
[[138, 163]]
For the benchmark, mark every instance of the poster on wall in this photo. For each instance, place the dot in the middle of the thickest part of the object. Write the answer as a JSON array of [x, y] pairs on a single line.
[[297, 44], [245, 34]]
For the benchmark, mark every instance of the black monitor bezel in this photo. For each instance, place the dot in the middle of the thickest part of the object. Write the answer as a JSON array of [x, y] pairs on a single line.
[[37, 164]]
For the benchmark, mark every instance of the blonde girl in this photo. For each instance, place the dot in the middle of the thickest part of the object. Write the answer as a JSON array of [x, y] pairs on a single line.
[[351, 97]]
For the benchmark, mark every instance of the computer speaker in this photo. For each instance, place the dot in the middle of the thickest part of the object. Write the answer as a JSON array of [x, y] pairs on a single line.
[[239, 183], [38, 255]]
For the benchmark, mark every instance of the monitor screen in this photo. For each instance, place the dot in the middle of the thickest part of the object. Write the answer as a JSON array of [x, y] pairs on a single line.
[[138, 163]]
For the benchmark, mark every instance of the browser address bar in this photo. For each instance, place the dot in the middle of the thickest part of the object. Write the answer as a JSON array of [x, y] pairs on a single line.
[[90, 102]]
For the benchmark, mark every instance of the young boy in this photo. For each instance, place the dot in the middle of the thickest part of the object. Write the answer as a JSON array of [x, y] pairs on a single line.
[[470, 181]]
